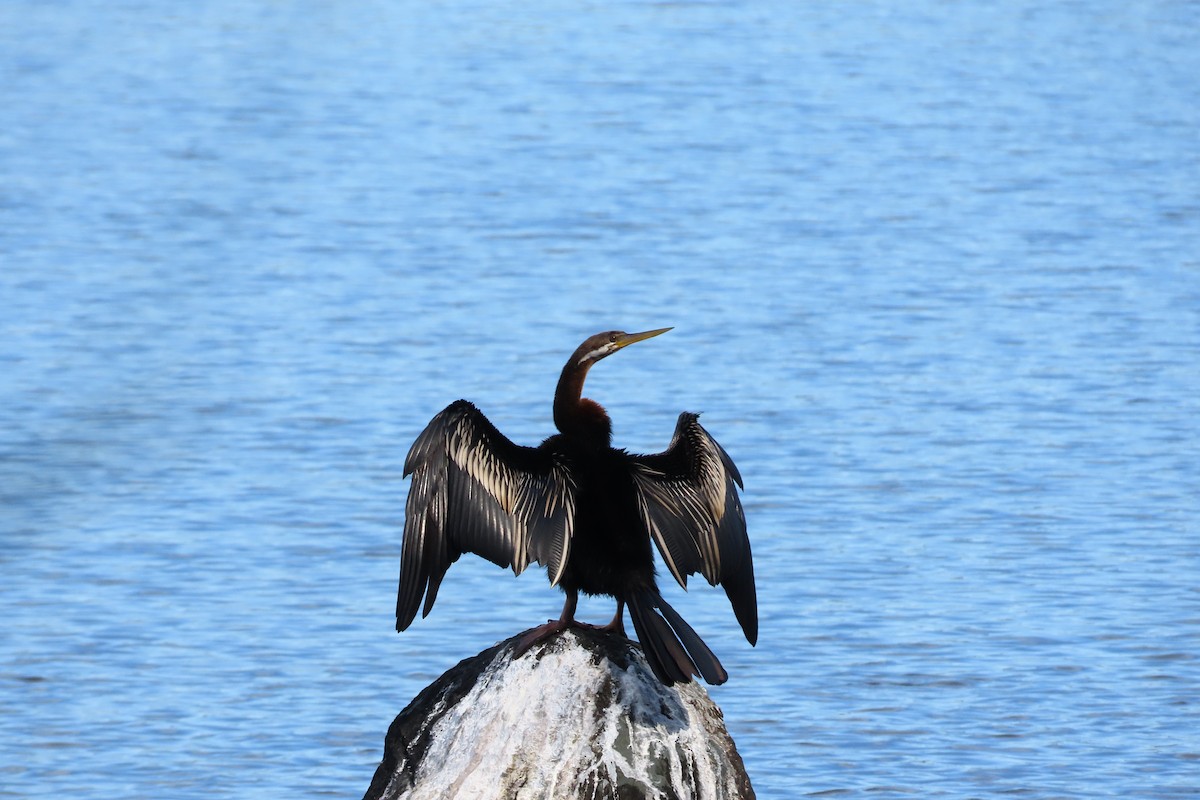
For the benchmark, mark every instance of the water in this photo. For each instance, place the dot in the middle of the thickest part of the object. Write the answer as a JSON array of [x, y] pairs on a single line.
[[933, 272]]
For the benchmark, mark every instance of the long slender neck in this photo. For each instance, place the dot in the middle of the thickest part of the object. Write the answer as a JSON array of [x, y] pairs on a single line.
[[575, 415]]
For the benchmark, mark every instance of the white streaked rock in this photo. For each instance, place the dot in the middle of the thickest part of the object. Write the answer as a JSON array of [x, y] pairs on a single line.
[[579, 716]]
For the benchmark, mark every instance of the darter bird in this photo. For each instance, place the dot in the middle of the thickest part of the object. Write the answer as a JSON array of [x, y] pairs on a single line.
[[584, 510]]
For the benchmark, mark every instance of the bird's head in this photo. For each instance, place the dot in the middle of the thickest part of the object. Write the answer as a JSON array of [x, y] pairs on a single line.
[[574, 414], [605, 344]]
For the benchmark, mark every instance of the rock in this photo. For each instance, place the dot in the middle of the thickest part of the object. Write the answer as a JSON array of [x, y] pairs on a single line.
[[578, 716]]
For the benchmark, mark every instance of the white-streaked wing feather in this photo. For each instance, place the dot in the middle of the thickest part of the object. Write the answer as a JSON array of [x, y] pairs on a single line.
[[688, 499], [473, 490]]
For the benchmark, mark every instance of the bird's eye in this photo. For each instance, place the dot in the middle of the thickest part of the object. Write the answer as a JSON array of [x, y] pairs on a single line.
[[612, 337]]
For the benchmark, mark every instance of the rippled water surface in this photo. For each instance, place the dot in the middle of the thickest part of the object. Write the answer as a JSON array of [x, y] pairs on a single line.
[[934, 279]]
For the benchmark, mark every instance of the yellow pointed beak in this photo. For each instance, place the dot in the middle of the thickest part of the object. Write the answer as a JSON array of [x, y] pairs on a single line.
[[629, 338]]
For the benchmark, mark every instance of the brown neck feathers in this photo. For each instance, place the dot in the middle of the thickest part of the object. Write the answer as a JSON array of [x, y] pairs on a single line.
[[575, 415]]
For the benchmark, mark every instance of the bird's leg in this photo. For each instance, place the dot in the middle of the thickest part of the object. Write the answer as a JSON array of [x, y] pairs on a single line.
[[569, 605], [618, 621], [552, 627]]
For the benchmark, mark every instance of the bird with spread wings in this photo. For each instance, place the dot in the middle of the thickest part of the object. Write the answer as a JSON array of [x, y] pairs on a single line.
[[584, 510]]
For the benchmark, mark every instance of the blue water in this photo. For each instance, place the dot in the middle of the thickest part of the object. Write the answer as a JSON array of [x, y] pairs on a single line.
[[933, 270]]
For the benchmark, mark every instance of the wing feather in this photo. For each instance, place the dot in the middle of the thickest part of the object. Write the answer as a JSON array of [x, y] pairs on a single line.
[[688, 499], [475, 491]]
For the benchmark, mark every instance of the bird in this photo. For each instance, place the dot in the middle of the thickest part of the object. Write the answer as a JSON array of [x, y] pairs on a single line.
[[587, 512]]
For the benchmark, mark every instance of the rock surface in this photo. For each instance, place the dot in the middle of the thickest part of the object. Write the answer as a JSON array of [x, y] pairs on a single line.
[[578, 716]]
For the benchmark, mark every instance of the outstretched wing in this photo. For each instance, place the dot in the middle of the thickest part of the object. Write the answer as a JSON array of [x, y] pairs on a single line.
[[474, 491], [688, 498]]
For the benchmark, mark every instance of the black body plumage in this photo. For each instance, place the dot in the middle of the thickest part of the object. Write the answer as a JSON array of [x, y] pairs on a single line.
[[586, 511]]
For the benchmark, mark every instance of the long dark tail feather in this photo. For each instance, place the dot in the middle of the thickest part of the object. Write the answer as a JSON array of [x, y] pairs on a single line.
[[663, 651], [704, 659], [675, 652]]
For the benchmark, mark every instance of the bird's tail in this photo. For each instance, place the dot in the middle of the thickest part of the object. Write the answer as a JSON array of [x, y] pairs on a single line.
[[674, 650]]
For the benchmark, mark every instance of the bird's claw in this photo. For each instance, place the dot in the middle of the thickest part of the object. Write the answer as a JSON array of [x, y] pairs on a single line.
[[538, 634]]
